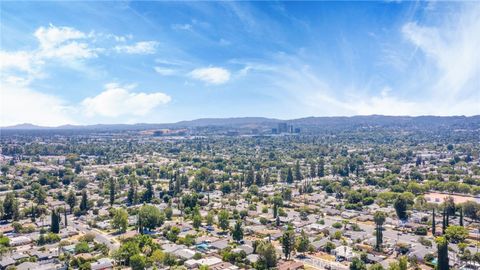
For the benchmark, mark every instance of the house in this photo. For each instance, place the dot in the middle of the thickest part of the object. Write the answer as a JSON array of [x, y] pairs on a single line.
[[209, 261], [170, 248], [184, 253], [344, 253], [102, 264], [20, 241], [5, 262], [289, 265], [220, 244]]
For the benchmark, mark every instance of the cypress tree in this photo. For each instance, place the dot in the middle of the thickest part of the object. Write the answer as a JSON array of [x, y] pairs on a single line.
[[442, 249], [461, 216], [433, 222], [84, 201], [112, 191], [289, 176], [444, 224], [321, 168], [55, 222], [298, 171]]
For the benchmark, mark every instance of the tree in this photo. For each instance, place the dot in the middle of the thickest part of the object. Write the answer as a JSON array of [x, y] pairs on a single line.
[[277, 202], [112, 191], [250, 177], [148, 194], [303, 243], [209, 218], [313, 173], [288, 242], [289, 176], [400, 206], [132, 194], [10, 207], [138, 262], [298, 171], [321, 168], [150, 217], [461, 216], [357, 264], [456, 234], [178, 183], [84, 202], [376, 266], [450, 209], [71, 200], [433, 222], [120, 220], [197, 221], [55, 222], [267, 256], [442, 258], [237, 231], [223, 217], [259, 179], [379, 218]]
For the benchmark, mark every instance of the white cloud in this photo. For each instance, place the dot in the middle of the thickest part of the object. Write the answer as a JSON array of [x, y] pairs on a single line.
[[117, 100], [20, 104], [452, 49], [19, 60], [212, 75], [142, 47], [63, 43], [54, 36]]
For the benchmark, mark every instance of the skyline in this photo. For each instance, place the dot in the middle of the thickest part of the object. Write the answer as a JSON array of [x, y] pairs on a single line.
[[162, 62]]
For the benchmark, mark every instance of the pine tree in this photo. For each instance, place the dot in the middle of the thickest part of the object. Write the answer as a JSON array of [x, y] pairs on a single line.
[[237, 231], [250, 178], [112, 191], [131, 194], [258, 179], [148, 194], [178, 184], [71, 200], [433, 222], [288, 242], [298, 171], [289, 176], [84, 202], [321, 168], [10, 207], [266, 179], [461, 217], [313, 174]]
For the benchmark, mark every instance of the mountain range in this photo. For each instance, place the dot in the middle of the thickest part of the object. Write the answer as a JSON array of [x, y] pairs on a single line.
[[471, 122]]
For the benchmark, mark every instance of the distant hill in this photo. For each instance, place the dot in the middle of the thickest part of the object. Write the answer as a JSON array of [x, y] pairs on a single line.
[[471, 122]]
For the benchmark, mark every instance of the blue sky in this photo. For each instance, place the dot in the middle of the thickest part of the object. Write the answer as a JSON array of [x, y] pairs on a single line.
[[132, 62]]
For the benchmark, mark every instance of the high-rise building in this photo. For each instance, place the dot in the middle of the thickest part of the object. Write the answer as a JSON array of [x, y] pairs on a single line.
[[282, 127]]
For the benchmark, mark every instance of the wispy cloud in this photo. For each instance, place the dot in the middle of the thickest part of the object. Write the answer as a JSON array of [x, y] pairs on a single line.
[[211, 75], [142, 47]]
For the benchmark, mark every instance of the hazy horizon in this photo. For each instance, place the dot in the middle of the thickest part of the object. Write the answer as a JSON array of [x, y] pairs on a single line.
[[85, 63]]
